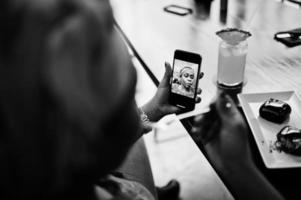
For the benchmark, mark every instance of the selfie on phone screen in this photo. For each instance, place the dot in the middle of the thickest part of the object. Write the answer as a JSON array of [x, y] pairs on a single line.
[[184, 82], [184, 78]]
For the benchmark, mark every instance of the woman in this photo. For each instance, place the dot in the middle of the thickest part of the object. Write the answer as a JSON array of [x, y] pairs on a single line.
[[64, 126]]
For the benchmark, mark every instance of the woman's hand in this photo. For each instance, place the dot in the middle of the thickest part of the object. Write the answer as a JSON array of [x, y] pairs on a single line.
[[224, 134], [159, 106]]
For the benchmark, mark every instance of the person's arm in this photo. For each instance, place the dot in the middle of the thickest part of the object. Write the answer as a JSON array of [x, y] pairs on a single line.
[[247, 182], [224, 135], [159, 106]]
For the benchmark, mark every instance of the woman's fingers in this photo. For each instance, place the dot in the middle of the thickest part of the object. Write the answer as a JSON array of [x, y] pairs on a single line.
[[170, 109], [198, 99], [205, 121], [227, 110], [166, 78], [207, 126], [201, 75], [168, 69], [207, 131], [212, 133]]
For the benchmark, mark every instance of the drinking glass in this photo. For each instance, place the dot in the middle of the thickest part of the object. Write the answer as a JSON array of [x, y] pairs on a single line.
[[231, 64]]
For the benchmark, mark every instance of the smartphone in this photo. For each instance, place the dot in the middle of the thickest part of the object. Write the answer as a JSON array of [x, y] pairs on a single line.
[[184, 82]]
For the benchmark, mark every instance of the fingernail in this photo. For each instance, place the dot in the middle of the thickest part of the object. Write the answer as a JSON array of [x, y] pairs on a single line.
[[226, 103]]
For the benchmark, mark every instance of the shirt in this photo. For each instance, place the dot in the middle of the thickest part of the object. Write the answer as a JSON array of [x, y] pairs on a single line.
[[113, 188]]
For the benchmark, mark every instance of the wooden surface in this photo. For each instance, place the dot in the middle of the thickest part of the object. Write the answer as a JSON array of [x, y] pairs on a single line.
[[176, 156], [155, 35]]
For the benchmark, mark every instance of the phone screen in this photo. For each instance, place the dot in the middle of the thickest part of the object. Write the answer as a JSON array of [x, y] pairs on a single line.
[[184, 80]]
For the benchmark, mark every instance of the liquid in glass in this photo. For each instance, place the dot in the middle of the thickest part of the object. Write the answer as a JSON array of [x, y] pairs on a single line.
[[231, 64]]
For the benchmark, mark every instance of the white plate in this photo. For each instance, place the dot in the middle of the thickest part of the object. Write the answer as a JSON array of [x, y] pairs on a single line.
[[265, 132]]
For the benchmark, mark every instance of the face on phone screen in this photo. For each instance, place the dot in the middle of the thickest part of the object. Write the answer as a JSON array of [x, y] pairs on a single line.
[[184, 78]]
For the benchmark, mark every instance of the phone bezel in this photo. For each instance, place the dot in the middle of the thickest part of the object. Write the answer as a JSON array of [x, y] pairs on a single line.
[[181, 101]]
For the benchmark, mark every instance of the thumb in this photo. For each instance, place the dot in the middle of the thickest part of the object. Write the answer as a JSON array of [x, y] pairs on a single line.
[[167, 75], [172, 110], [226, 108]]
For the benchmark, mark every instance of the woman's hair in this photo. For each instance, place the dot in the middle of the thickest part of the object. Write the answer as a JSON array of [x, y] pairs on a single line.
[[43, 150], [184, 69]]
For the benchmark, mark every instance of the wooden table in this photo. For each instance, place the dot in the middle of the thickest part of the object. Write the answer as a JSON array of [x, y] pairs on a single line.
[[155, 34]]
